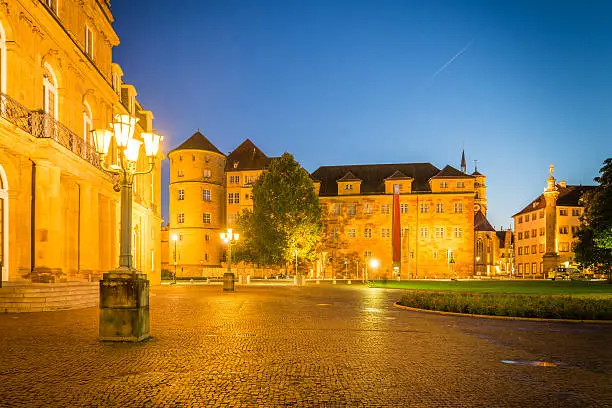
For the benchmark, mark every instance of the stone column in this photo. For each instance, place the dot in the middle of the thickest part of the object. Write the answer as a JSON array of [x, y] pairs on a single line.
[[48, 220], [550, 259], [89, 245]]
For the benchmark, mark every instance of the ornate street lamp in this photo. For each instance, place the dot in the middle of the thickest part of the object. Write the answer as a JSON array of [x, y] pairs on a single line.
[[374, 263], [230, 238], [124, 292]]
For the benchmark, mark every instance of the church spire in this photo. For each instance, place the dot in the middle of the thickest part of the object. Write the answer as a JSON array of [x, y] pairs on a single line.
[[463, 165]]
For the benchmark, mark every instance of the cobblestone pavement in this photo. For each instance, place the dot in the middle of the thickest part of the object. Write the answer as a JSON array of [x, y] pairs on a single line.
[[301, 346]]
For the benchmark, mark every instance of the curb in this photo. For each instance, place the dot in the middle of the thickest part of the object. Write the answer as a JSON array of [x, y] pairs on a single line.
[[527, 319]]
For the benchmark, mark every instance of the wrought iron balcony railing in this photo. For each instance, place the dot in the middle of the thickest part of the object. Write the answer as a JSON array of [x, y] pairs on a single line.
[[42, 125]]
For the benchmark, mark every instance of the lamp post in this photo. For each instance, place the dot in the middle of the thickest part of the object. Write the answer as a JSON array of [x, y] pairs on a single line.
[[124, 293], [374, 263], [174, 238], [230, 238]]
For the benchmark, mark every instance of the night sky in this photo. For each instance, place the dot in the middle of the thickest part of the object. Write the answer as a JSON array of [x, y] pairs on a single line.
[[519, 84]]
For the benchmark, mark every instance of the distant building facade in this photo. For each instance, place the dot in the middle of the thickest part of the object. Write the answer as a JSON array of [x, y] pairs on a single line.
[[545, 229], [59, 212]]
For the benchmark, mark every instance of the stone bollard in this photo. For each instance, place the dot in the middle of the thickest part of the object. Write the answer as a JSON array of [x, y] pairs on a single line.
[[349, 282], [228, 282], [248, 279], [334, 281], [240, 279], [317, 282]]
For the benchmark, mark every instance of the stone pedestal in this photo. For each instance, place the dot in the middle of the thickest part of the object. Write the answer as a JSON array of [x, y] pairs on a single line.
[[550, 262], [228, 282], [124, 306]]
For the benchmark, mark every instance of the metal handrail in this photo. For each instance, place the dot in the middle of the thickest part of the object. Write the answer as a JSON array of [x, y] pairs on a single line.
[[42, 125]]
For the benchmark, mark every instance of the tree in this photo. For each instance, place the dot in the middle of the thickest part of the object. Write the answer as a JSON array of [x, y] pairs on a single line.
[[594, 245], [286, 216]]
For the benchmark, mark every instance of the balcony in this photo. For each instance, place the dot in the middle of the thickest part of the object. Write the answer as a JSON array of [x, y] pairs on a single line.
[[44, 126]]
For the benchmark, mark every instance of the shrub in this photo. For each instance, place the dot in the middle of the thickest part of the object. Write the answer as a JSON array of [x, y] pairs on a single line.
[[514, 305]]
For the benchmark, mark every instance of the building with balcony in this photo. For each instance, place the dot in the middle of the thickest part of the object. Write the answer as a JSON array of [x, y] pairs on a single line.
[[59, 211], [545, 229]]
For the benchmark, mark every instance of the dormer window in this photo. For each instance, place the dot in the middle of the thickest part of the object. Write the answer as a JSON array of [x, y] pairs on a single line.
[[236, 164], [444, 184], [460, 184]]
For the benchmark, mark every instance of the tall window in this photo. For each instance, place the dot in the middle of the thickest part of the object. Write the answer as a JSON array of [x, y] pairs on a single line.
[[351, 233], [439, 207], [52, 4], [367, 208], [180, 218], [206, 218], [424, 207], [480, 250], [384, 233], [423, 232], [439, 232], [384, 208], [87, 125], [458, 207], [89, 42], [367, 232], [2, 61], [352, 209], [50, 92], [233, 198], [181, 194], [205, 195], [404, 208]]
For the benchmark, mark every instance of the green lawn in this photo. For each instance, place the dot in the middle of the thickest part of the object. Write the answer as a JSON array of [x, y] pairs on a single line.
[[598, 289]]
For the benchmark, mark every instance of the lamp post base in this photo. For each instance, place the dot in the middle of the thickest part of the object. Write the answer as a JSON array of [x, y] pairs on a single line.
[[124, 306], [228, 282]]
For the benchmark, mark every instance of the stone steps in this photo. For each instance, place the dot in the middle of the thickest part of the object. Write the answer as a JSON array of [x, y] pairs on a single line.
[[44, 297]]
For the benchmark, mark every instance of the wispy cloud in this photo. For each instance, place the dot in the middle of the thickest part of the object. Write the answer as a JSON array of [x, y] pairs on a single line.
[[450, 61]]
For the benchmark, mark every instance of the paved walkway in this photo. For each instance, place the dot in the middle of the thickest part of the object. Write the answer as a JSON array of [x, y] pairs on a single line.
[[310, 346]]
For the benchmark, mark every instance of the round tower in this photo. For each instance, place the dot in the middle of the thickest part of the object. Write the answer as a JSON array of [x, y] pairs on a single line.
[[197, 197]]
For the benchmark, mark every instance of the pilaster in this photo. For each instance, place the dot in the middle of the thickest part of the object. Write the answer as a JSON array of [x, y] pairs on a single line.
[[89, 231]]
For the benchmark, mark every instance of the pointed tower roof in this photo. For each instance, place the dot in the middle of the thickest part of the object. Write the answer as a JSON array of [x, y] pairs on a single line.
[[463, 164], [247, 156], [481, 223], [198, 141]]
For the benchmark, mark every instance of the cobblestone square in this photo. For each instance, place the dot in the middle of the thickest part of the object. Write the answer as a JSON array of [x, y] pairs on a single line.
[[319, 345]]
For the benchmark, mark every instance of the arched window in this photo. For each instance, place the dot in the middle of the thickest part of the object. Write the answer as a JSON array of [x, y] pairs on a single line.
[[50, 92], [479, 250], [3, 225]]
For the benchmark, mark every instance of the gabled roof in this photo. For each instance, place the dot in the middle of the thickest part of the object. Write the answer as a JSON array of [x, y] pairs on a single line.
[[398, 175], [450, 171], [349, 177], [373, 176], [569, 196], [481, 223], [198, 141], [247, 156]]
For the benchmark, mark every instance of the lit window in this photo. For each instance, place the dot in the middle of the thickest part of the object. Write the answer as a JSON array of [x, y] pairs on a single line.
[[460, 184], [444, 184], [439, 232], [336, 209], [404, 208], [458, 207], [206, 173], [424, 207], [563, 211], [423, 232], [89, 42], [205, 195], [367, 232], [233, 198], [50, 92], [206, 218], [367, 208], [563, 246], [439, 207], [180, 218], [458, 232], [181, 194], [352, 209]]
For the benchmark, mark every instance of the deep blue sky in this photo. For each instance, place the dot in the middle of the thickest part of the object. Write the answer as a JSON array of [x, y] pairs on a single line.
[[346, 82]]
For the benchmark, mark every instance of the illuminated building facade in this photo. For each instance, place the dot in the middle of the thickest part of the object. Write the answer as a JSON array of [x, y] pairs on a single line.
[[59, 212], [545, 229]]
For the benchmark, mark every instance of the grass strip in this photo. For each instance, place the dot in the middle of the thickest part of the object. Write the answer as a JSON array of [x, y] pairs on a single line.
[[513, 305]]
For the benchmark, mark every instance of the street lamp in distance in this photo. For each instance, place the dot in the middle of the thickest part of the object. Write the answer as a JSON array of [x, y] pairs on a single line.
[[174, 239], [374, 263], [230, 238]]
